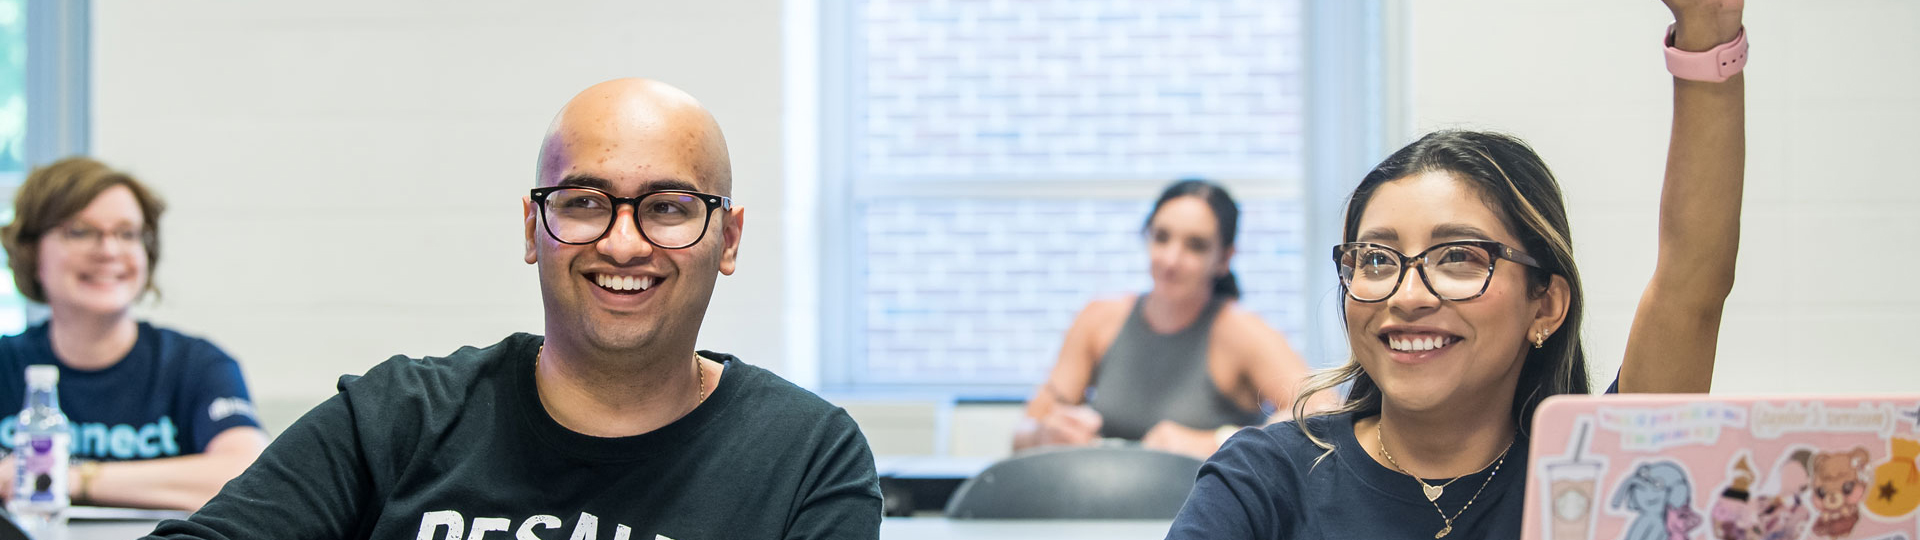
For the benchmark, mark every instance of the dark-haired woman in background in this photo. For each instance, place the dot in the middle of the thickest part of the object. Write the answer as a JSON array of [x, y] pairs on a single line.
[[160, 419], [1179, 367]]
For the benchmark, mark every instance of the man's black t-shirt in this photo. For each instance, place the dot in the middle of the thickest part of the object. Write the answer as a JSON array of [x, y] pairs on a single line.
[[461, 448]]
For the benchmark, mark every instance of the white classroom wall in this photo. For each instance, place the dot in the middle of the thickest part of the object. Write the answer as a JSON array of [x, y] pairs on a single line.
[[1831, 115], [344, 177]]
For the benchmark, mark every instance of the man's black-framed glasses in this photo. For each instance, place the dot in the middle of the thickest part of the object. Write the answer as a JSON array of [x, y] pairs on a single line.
[[669, 219], [1453, 271]]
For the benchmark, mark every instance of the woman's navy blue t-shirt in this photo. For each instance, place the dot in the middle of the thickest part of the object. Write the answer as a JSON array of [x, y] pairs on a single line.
[[168, 397], [1264, 483]]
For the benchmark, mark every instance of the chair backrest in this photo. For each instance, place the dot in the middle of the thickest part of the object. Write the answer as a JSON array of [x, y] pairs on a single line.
[[1079, 483]]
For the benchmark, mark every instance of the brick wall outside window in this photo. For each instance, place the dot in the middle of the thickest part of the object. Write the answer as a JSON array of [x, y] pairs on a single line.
[[979, 290]]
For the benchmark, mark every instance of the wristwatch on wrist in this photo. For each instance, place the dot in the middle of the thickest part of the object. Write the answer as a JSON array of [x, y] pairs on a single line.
[[89, 469], [1712, 65]]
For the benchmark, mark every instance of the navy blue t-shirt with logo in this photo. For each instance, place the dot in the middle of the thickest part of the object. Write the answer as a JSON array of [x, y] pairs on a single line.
[[170, 395]]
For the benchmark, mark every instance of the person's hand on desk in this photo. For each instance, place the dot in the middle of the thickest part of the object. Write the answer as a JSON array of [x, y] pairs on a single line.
[[7, 468], [1171, 436], [1068, 425]]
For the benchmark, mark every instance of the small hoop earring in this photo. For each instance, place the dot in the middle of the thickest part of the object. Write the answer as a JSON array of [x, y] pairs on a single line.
[[1540, 339]]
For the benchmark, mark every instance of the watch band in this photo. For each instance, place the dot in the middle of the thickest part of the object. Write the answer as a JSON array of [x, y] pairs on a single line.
[[1712, 65], [89, 469]]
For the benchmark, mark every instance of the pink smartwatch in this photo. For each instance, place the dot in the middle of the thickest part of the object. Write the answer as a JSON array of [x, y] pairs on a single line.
[[1713, 65]]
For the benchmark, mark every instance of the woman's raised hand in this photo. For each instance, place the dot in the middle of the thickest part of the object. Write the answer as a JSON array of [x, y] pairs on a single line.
[[1701, 24]]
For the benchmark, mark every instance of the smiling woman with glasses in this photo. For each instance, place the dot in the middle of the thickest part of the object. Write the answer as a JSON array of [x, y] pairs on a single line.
[[1461, 270], [84, 241], [1463, 310]]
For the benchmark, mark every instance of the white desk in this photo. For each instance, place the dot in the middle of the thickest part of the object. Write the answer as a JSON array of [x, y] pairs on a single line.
[[933, 528], [125, 529], [898, 466], [97, 523], [922, 484]]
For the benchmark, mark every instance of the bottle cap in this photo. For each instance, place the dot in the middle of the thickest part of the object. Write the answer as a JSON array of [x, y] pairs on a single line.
[[43, 375]]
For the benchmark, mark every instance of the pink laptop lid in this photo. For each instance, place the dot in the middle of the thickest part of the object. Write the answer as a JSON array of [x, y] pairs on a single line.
[[1668, 467]]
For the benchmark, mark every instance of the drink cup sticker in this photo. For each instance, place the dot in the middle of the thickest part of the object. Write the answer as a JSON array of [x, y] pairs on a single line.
[[1572, 486]]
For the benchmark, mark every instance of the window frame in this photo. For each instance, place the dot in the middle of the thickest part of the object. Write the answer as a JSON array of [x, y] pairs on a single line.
[[58, 85], [59, 98]]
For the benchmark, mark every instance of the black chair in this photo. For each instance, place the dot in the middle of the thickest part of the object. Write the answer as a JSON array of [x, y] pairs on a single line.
[[1079, 483]]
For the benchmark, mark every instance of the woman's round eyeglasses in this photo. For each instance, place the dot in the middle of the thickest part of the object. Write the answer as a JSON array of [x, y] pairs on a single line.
[[1454, 271]]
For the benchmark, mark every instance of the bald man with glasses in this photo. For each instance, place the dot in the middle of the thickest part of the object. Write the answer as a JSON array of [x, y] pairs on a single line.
[[610, 425]]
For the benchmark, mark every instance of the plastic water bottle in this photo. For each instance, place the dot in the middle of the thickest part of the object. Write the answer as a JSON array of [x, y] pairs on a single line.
[[42, 451]]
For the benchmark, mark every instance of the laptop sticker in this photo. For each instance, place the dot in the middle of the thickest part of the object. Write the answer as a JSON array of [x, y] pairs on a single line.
[[1894, 491], [1660, 496], [1725, 468]]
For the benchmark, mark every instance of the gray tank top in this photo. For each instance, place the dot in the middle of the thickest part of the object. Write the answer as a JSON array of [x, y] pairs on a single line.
[[1146, 377]]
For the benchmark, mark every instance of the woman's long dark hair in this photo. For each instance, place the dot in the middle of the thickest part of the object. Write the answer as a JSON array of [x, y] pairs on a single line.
[[1226, 214], [1514, 182]]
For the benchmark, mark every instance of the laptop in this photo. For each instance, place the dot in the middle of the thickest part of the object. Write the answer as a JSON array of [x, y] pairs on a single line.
[[1661, 467]]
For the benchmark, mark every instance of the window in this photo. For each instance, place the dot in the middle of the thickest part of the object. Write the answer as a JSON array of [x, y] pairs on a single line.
[[13, 141], [13, 89], [42, 109], [987, 165]]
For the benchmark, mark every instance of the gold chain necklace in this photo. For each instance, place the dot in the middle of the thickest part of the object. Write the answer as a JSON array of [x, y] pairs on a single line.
[[700, 374], [1433, 492]]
